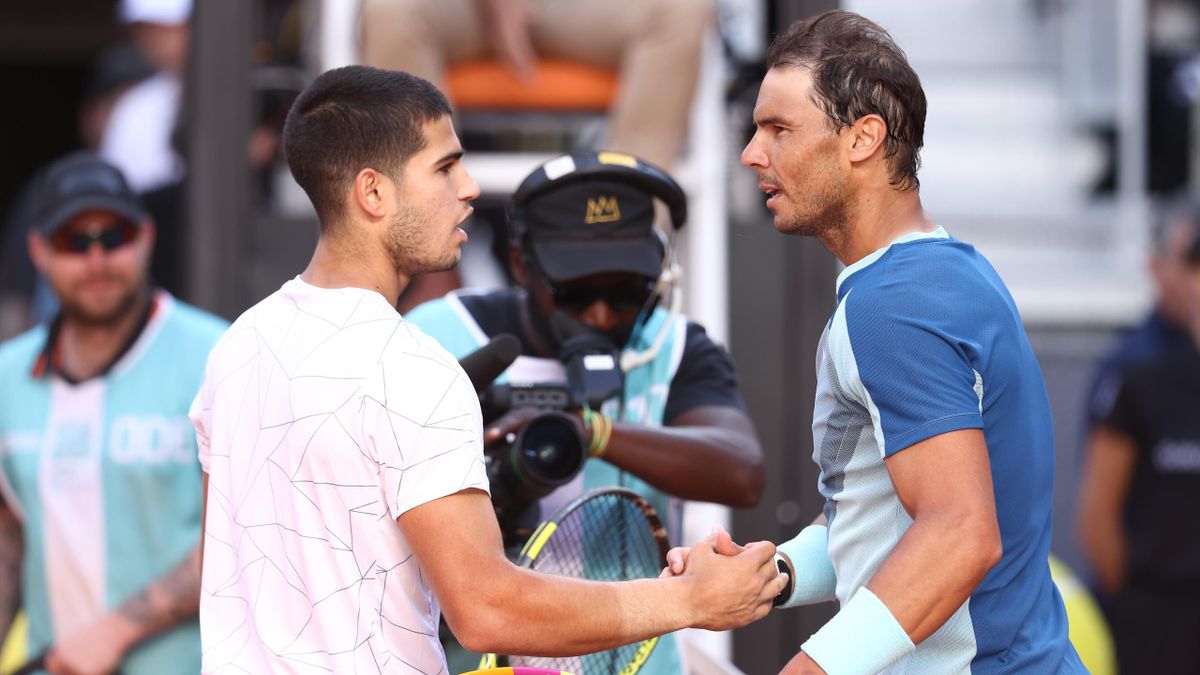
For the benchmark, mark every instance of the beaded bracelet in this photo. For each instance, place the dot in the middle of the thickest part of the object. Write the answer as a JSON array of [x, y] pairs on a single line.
[[599, 426]]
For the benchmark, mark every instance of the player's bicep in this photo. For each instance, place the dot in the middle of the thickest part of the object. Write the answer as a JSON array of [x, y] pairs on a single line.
[[949, 474], [458, 545], [420, 461]]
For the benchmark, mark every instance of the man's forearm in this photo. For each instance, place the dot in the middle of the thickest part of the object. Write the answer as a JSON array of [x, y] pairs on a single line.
[[171, 599], [1104, 544], [584, 616], [12, 550], [709, 455], [934, 568]]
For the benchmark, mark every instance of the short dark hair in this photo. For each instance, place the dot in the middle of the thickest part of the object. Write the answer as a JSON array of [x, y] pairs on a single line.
[[352, 118], [858, 69]]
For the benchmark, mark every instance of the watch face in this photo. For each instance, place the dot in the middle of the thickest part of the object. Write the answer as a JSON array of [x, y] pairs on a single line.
[[782, 565]]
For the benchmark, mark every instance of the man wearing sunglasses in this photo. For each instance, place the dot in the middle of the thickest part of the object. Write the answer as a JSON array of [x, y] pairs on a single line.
[[587, 248], [100, 522]]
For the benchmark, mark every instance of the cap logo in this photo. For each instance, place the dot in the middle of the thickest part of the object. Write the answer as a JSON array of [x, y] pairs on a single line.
[[602, 210], [618, 158]]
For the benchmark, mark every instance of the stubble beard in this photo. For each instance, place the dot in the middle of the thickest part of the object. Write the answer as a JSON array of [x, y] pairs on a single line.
[[824, 219], [409, 247], [824, 214], [78, 312]]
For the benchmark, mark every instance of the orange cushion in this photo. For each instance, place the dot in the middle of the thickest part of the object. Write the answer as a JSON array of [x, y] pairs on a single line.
[[486, 84]]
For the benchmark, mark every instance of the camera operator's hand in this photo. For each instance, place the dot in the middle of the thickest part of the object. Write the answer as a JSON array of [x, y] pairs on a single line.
[[514, 420]]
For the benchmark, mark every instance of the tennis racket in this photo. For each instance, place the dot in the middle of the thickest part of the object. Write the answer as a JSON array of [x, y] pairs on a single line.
[[516, 671], [607, 534]]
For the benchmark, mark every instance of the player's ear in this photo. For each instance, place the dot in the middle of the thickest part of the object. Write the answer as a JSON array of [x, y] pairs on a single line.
[[867, 137], [373, 192]]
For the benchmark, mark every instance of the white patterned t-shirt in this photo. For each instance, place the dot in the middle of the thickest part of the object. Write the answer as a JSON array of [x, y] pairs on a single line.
[[323, 417]]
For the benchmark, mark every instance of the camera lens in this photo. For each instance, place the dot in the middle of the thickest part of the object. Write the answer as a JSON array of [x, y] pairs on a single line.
[[547, 453], [550, 449]]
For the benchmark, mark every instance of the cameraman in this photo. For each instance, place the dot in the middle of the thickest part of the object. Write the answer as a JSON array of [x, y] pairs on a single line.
[[584, 245]]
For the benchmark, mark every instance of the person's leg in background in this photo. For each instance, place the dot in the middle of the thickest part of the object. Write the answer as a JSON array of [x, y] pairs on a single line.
[[657, 46], [420, 37]]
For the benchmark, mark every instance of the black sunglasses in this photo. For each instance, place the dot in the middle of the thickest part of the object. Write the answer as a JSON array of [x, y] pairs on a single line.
[[628, 296], [110, 237]]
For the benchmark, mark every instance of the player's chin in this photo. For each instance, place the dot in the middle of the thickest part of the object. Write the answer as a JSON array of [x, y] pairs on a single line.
[[451, 259], [784, 223], [790, 223]]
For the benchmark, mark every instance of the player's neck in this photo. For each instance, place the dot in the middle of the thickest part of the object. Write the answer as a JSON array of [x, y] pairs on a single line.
[[85, 349], [879, 219], [339, 264]]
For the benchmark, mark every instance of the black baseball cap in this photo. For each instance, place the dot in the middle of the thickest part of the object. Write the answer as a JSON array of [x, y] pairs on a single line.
[[79, 182], [591, 226]]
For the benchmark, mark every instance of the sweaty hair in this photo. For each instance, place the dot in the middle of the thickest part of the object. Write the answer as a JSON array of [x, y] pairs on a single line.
[[857, 69], [354, 118]]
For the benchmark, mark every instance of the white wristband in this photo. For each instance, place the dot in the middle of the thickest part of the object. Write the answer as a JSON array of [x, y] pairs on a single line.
[[813, 578], [863, 638]]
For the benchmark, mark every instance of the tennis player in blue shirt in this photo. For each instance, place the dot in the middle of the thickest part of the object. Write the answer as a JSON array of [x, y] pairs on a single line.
[[932, 426]]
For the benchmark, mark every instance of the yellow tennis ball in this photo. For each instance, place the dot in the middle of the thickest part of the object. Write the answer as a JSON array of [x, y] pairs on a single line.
[[1088, 629]]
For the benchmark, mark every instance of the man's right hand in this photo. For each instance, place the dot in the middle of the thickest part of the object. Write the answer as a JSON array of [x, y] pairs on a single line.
[[721, 542], [731, 590]]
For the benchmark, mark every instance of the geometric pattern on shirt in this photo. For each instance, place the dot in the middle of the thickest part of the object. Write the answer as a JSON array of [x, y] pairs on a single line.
[[291, 460]]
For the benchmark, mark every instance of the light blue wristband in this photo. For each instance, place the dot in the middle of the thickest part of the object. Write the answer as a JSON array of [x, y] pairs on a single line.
[[813, 578], [862, 639]]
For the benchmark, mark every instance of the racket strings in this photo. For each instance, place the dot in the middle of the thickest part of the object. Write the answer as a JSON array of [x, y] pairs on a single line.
[[607, 538]]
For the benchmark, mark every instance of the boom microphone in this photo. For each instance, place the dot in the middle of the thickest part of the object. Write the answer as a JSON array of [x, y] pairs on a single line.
[[485, 364]]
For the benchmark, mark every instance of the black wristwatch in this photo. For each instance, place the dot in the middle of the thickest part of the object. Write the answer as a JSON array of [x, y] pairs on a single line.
[[784, 567]]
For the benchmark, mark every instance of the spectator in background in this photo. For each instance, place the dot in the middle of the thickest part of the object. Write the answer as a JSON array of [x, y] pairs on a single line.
[[113, 73], [1166, 325], [656, 44], [139, 136], [99, 483], [25, 299], [1141, 485]]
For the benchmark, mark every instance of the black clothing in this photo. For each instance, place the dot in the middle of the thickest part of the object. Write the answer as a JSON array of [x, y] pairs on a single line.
[[705, 375], [1158, 406], [1156, 616]]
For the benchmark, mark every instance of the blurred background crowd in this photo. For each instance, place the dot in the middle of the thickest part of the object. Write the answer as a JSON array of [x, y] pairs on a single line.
[[1060, 141]]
